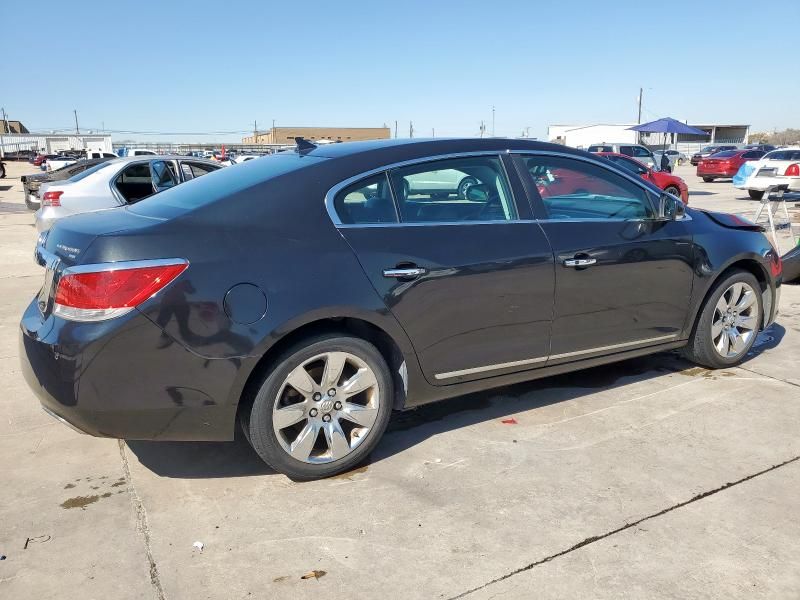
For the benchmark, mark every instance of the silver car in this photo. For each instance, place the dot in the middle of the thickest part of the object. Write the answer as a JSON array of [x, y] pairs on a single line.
[[115, 183]]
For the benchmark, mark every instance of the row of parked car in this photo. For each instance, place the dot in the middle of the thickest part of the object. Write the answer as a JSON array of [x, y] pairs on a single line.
[[755, 168]]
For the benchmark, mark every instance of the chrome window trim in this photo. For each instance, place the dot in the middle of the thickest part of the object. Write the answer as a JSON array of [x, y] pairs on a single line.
[[331, 195], [540, 359], [595, 161]]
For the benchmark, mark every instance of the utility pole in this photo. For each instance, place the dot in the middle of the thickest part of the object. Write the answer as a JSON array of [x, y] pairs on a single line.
[[4, 130], [483, 128], [395, 129], [255, 131], [492, 121], [639, 118], [274, 137], [411, 129], [77, 129], [433, 132]]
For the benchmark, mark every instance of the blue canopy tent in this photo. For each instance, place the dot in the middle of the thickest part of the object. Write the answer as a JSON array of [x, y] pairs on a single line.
[[668, 125]]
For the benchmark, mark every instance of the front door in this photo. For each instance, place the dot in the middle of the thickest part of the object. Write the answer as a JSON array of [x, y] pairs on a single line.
[[623, 276], [466, 272]]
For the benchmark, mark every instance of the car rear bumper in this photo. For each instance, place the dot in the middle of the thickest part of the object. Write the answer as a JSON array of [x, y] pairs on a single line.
[[711, 172], [763, 183], [125, 378]]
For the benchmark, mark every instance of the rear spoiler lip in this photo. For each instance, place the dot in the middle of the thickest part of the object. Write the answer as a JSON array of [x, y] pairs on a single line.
[[730, 221]]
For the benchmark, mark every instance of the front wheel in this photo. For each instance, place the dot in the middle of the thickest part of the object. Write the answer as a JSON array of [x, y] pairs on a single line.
[[708, 179], [728, 322], [323, 407], [673, 190], [756, 194]]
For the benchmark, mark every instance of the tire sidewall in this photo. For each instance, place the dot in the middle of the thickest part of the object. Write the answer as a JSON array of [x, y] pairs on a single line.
[[707, 317], [262, 435]]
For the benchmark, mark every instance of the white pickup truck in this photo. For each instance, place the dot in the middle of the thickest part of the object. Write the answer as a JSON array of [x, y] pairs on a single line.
[[63, 161]]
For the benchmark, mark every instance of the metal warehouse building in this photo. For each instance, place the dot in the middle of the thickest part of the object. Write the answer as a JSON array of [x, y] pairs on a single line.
[[582, 136], [286, 135], [52, 143]]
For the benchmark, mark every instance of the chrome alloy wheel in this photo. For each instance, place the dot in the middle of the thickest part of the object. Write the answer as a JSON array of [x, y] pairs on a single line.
[[735, 320], [326, 407]]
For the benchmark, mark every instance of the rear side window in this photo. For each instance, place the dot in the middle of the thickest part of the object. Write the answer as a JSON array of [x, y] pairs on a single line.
[[753, 154], [453, 190], [640, 151], [783, 155], [368, 201], [601, 149], [627, 150]]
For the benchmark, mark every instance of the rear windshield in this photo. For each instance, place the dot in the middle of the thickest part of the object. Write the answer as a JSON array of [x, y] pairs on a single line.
[[725, 154], [601, 149], [91, 170], [221, 184], [783, 155]]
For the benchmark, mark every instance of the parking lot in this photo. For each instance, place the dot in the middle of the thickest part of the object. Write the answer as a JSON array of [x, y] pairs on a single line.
[[651, 478]]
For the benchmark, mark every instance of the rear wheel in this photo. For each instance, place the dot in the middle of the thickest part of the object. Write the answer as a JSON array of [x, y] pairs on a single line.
[[756, 194], [708, 179], [728, 322], [323, 408]]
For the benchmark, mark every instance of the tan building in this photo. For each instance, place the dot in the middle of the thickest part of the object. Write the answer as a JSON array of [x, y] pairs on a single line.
[[286, 135]]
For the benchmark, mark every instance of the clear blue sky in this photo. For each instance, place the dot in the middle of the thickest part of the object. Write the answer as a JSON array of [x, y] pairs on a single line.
[[200, 66]]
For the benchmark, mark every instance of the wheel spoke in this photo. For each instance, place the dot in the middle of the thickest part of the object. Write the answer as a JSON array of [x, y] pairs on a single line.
[[716, 329], [336, 439], [300, 380], [737, 342], [723, 343], [334, 365], [746, 322], [360, 415], [746, 301], [722, 305], [362, 380], [301, 447], [289, 415], [736, 293]]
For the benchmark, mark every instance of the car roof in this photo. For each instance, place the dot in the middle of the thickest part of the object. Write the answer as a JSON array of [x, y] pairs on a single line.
[[148, 157]]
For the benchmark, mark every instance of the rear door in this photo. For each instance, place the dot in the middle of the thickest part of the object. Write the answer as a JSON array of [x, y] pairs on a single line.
[[623, 277], [461, 264]]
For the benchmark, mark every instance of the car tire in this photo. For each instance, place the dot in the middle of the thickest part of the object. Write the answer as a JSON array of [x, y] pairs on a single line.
[[311, 432], [708, 179], [704, 345], [671, 189], [464, 185], [2, 171], [756, 194]]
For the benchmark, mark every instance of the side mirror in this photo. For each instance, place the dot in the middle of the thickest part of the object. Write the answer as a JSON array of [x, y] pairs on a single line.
[[670, 207]]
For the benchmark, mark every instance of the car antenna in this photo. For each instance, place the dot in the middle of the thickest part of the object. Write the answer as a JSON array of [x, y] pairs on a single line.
[[303, 145]]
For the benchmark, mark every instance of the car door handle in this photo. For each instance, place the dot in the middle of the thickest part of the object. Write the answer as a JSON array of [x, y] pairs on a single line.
[[404, 272], [579, 262]]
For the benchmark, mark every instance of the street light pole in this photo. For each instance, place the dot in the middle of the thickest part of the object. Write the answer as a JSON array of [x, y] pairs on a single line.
[[492, 121], [77, 129]]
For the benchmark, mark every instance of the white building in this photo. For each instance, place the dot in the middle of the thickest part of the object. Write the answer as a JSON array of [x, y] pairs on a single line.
[[52, 143], [583, 136]]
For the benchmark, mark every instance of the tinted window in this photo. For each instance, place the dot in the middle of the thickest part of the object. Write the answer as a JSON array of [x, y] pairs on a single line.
[[199, 170], [626, 150], [163, 177], [91, 170], [753, 154], [368, 201], [725, 154], [639, 151], [135, 182], [601, 149], [459, 189], [227, 182], [783, 155], [574, 189], [628, 164]]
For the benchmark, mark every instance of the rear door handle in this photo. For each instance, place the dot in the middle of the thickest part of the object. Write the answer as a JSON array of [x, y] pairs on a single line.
[[579, 262], [404, 272]]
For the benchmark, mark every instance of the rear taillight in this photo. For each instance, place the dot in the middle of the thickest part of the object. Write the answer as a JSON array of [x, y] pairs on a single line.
[[105, 291], [51, 199], [793, 170], [776, 264]]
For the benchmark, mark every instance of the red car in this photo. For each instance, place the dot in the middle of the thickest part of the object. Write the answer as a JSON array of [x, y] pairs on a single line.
[[40, 158], [668, 182], [725, 164]]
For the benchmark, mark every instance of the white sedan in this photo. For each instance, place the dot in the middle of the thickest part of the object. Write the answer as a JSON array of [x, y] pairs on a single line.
[[779, 167], [118, 182]]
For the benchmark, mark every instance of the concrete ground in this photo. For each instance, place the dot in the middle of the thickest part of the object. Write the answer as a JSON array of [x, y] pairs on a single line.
[[651, 478]]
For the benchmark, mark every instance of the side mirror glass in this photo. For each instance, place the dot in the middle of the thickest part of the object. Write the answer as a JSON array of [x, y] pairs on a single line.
[[670, 207]]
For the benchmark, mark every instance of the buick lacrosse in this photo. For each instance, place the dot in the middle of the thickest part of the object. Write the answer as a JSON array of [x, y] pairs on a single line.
[[305, 296]]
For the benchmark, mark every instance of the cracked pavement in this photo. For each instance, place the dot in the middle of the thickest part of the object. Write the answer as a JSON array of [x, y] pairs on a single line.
[[651, 478]]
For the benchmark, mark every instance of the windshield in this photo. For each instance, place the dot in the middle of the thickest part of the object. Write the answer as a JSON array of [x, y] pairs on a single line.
[[783, 155], [90, 170], [726, 154], [220, 184]]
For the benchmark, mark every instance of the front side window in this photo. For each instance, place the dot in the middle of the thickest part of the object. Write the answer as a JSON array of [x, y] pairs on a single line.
[[641, 152], [471, 188], [575, 189], [368, 201]]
